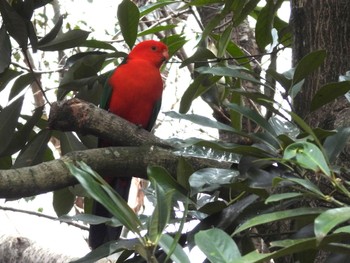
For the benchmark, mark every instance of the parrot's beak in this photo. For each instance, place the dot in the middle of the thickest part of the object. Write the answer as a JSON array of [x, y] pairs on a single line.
[[165, 55]]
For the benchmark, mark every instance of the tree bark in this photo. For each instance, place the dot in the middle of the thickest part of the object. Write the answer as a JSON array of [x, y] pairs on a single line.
[[321, 25], [145, 149]]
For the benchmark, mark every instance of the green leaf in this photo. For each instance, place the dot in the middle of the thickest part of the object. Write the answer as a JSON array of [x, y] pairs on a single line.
[[5, 49], [245, 9], [285, 79], [15, 25], [302, 124], [253, 116], [35, 151], [308, 185], [8, 122], [179, 255], [201, 54], [174, 42], [7, 76], [231, 71], [71, 39], [328, 93], [225, 39], [102, 192], [128, 17], [69, 143], [20, 84], [200, 120], [155, 29], [97, 44], [210, 179], [264, 25], [217, 246], [150, 7], [335, 144], [201, 84], [289, 247], [329, 219], [161, 214], [307, 155], [167, 182], [281, 197], [183, 173], [107, 249], [63, 201], [280, 215], [308, 64], [86, 218], [23, 134], [53, 32]]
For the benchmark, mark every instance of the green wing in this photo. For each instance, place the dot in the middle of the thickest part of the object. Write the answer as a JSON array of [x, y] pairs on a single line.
[[106, 93], [154, 115]]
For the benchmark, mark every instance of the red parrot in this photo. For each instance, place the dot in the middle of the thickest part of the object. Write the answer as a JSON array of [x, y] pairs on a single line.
[[134, 93]]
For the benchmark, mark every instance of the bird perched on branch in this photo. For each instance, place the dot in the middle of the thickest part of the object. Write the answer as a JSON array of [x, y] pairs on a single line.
[[134, 93]]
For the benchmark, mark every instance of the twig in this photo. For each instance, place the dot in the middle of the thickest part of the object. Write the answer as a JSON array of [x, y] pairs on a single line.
[[43, 215], [36, 71]]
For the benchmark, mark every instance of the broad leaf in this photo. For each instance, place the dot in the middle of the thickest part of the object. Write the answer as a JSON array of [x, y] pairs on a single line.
[[335, 144], [264, 25], [281, 197], [71, 39], [7, 76], [178, 255], [210, 179], [128, 17], [69, 143], [308, 64], [307, 155], [279, 215], [155, 29], [102, 192], [53, 32], [5, 49], [15, 24], [218, 246], [161, 214], [35, 151], [8, 122], [329, 219], [24, 133], [108, 249], [21, 83], [63, 201], [225, 38], [328, 93]]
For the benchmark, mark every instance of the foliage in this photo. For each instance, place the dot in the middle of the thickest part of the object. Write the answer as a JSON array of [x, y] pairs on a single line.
[[228, 209]]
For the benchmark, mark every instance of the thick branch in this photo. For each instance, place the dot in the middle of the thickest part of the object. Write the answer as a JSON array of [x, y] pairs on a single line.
[[86, 118], [75, 115], [112, 161]]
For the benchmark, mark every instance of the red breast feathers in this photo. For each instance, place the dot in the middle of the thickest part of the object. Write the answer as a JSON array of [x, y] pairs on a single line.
[[137, 84]]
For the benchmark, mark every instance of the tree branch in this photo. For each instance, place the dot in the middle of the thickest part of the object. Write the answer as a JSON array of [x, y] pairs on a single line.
[[85, 118], [145, 149]]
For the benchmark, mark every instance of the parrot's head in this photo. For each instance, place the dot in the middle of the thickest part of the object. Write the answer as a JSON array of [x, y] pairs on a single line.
[[154, 51]]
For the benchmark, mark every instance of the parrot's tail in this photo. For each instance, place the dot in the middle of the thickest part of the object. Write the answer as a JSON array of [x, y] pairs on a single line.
[[102, 233]]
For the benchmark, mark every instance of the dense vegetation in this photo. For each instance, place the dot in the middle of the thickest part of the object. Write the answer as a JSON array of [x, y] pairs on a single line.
[[285, 196]]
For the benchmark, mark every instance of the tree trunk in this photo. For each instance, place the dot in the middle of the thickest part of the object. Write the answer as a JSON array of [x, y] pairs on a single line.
[[319, 25], [322, 24]]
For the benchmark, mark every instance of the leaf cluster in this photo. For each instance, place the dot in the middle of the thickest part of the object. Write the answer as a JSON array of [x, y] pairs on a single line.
[[226, 210]]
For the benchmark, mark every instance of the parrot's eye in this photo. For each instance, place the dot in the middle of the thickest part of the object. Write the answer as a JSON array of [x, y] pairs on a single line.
[[154, 48]]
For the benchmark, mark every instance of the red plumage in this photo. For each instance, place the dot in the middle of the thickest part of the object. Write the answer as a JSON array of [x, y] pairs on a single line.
[[136, 91]]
